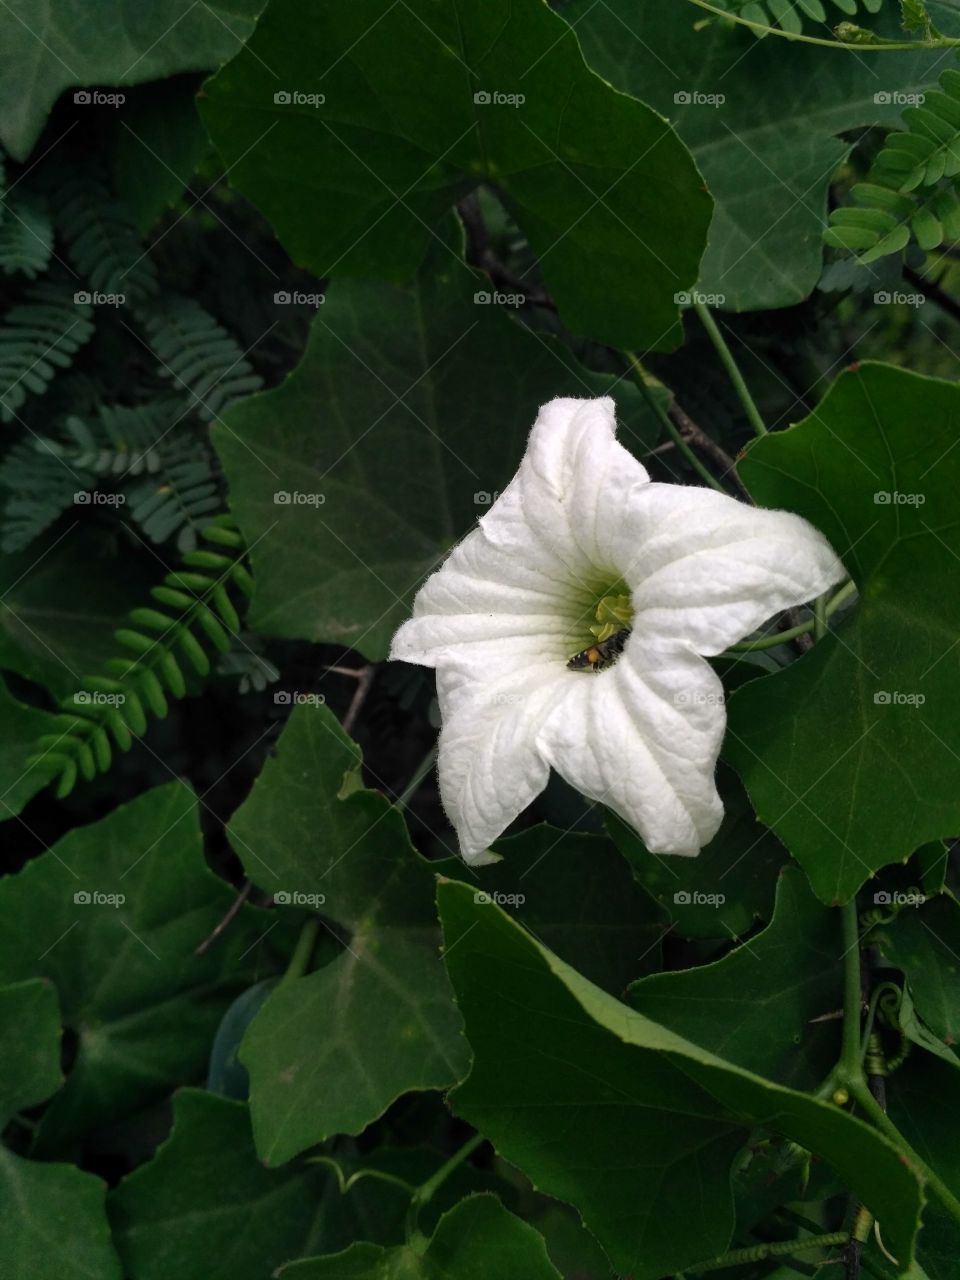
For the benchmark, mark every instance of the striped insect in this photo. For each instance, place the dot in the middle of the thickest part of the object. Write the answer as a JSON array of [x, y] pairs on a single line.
[[602, 654]]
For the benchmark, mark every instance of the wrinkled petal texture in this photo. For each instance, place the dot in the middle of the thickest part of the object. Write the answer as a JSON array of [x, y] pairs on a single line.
[[515, 598]]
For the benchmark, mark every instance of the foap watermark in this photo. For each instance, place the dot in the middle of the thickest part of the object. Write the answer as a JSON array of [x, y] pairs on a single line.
[[500, 699], [696, 898], [293, 298], [83, 298], [697, 699], [486, 897], [486, 298], [286, 498], [896, 698], [893, 498], [897, 98], [897, 298], [97, 98], [98, 698], [295, 98], [693, 297], [484, 498], [96, 898], [297, 898], [695, 98], [898, 898], [496, 98], [94, 498], [294, 698]]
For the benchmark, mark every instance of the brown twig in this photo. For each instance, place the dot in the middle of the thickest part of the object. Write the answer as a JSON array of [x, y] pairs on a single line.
[[364, 678], [480, 253], [232, 912], [696, 436]]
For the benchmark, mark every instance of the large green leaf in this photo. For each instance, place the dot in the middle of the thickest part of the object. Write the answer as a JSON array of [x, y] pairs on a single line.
[[142, 1005], [29, 1046], [757, 1006], [852, 754], [329, 1052], [46, 45], [619, 1115], [769, 148], [575, 893], [205, 1208], [20, 726], [356, 183], [52, 1222], [409, 410], [475, 1240]]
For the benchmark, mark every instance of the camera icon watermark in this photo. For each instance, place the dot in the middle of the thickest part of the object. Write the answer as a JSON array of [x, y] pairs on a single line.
[[897, 98], [694, 98], [486, 898], [895, 698], [286, 298], [296, 898], [294, 98], [288, 498], [494, 98], [94, 498], [97, 98], [294, 698], [95, 898], [694, 898], [888, 498], [898, 898]]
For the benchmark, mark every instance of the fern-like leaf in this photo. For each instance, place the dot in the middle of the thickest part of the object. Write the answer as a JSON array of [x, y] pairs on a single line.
[[26, 235], [102, 242], [38, 336], [40, 487], [197, 354], [192, 612], [911, 191], [180, 497], [788, 15]]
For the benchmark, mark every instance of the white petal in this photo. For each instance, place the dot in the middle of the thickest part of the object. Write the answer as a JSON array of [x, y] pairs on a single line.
[[489, 766], [707, 570], [642, 738]]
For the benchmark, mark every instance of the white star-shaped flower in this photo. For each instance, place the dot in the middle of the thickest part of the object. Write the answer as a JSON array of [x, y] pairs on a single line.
[[581, 522]]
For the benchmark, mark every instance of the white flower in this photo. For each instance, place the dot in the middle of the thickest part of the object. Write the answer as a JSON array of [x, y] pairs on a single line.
[[581, 521]]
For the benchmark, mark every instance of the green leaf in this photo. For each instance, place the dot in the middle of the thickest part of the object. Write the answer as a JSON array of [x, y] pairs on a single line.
[[362, 470], [60, 607], [357, 182], [52, 1223], [618, 1115], [757, 1006], [722, 892], [20, 727], [575, 893], [205, 1208], [48, 45], [310, 831], [769, 150], [852, 754], [160, 142], [29, 1046], [142, 1005], [476, 1239], [924, 942]]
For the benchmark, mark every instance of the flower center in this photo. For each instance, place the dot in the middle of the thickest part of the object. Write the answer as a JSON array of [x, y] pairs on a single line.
[[614, 616]]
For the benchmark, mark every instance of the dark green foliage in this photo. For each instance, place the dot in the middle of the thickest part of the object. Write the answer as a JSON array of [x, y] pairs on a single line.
[[39, 335], [114, 706], [26, 234], [789, 15], [198, 355], [101, 240]]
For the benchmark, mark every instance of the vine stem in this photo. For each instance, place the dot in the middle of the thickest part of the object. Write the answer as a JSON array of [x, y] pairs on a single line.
[[772, 1249], [300, 959], [425, 1192], [804, 628], [421, 771], [880, 46], [732, 368], [670, 426]]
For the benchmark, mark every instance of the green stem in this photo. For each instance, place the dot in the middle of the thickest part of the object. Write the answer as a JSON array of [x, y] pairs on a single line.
[[670, 426], [773, 1249], [425, 1192], [421, 771], [732, 368], [300, 960], [868, 1103], [850, 1067], [820, 617], [880, 46], [781, 637]]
